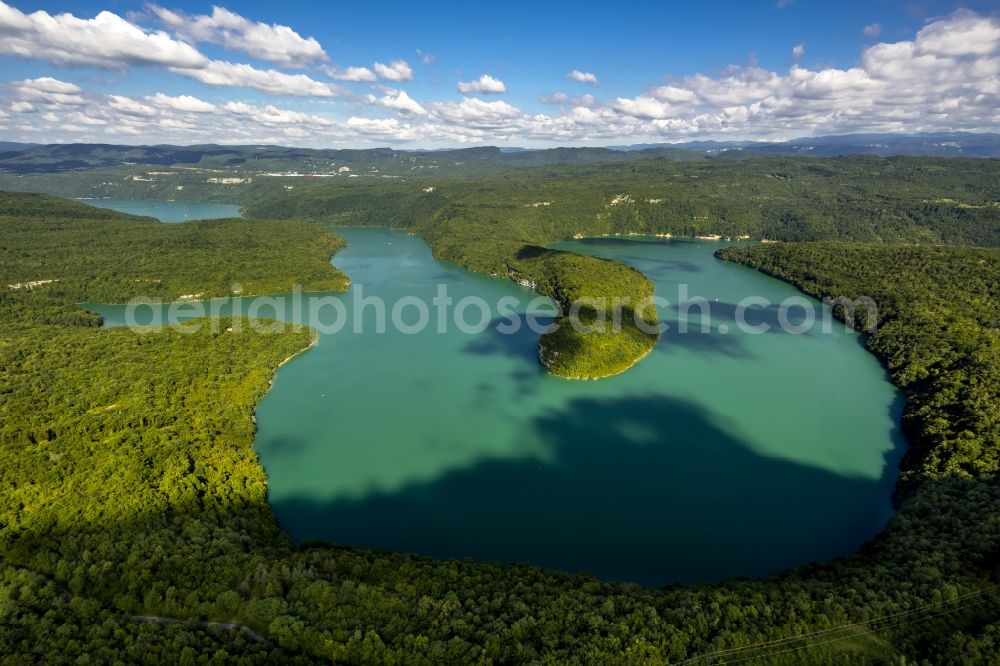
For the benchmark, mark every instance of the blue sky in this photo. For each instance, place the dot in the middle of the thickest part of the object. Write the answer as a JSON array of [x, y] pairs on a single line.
[[654, 71]]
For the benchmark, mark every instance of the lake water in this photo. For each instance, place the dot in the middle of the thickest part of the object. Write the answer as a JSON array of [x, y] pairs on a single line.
[[717, 455], [168, 211]]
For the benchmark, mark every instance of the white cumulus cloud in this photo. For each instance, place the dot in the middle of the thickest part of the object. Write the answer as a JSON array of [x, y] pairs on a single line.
[[400, 101], [107, 41], [48, 90], [130, 106], [182, 103], [484, 84], [350, 74], [476, 113], [272, 115], [397, 70], [562, 99], [963, 34], [271, 81], [111, 42], [583, 77], [380, 127], [85, 119], [275, 43]]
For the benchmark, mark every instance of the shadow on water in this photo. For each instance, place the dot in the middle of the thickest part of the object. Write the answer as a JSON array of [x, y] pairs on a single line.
[[285, 446], [656, 267], [499, 338], [520, 346], [673, 340], [643, 489], [766, 319]]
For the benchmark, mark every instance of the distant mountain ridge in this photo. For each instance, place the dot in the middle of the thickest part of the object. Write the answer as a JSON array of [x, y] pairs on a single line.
[[15, 146], [34, 158], [940, 144]]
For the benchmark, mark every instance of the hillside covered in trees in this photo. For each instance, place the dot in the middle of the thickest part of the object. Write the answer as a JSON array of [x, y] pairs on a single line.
[[134, 524], [855, 198], [94, 254]]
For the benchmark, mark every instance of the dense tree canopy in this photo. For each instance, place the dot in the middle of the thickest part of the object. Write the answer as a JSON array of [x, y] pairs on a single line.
[[91, 254], [857, 198], [131, 488]]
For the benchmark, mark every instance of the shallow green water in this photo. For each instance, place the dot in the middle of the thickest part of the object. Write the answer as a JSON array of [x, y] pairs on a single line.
[[717, 455], [168, 211]]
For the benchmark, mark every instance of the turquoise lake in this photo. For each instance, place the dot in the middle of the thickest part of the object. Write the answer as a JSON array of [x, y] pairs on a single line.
[[168, 211], [718, 455]]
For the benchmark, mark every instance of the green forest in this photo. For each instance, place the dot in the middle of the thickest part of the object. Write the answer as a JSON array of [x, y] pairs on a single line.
[[98, 255], [856, 198], [134, 524]]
